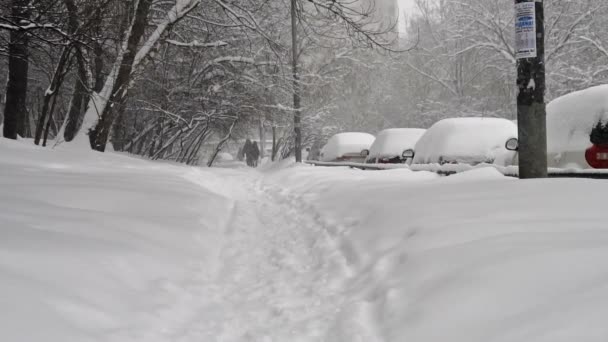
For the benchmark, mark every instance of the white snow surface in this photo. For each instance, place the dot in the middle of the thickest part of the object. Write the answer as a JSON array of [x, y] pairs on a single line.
[[393, 141], [474, 257], [347, 142], [571, 118], [104, 247], [224, 157], [465, 140]]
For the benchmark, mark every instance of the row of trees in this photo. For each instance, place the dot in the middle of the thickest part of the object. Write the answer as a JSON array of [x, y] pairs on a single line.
[[456, 58], [162, 78], [463, 63]]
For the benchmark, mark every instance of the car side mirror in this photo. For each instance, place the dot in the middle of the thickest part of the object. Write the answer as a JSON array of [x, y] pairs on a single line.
[[364, 153], [407, 154], [512, 144]]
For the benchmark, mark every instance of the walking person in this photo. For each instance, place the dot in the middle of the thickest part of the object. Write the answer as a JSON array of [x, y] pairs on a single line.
[[247, 151], [255, 151]]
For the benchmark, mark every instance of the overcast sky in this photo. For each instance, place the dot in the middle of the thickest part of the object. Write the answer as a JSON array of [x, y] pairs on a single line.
[[407, 6]]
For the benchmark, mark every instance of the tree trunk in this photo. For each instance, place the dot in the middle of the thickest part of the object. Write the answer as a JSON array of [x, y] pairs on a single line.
[[274, 142], [262, 138], [80, 98], [51, 93], [98, 136], [49, 121], [297, 124], [99, 79], [119, 132], [15, 110]]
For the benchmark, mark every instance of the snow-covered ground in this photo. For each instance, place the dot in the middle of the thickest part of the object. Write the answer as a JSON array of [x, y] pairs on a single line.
[[103, 247]]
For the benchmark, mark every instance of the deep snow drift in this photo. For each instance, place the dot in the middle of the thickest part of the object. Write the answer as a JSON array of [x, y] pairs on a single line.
[[91, 245], [103, 247], [471, 257]]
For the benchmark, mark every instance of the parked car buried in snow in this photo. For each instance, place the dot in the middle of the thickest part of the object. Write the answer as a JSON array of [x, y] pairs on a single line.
[[470, 141], [347, 147], [393, 145], [577, 129]]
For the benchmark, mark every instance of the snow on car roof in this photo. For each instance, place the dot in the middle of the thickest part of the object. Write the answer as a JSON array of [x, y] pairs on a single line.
[[348, 142], [571, 118], [393, 141], [466, 139]]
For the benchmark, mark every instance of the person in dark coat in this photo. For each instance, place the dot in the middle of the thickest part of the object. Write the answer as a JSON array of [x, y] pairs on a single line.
[[247, 149], [255, 151]]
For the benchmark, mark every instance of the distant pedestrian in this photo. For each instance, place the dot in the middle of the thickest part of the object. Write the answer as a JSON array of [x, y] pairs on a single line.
[[255, 151], [247, 151]]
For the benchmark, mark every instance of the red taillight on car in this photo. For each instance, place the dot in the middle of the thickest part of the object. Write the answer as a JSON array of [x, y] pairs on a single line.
[[597, 156]]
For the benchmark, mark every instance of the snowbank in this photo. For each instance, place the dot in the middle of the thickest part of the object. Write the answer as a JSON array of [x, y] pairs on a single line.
[[571, 118], [343, 143], [93, 246], [476, 257], [103, 247], [465, 140], [392, 142]]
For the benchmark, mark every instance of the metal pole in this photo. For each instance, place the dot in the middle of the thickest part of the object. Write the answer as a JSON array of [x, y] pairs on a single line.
[[531, 113], [274, 142], [296, 85]]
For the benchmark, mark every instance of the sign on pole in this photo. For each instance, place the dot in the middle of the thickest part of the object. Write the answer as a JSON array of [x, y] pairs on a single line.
[[525, 30], [531, 113]]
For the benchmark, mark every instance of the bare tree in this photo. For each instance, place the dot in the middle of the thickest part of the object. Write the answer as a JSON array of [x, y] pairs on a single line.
[[15, 111]]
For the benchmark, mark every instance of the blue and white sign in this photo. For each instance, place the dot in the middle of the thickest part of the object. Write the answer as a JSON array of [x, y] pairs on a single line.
[[525, 30]]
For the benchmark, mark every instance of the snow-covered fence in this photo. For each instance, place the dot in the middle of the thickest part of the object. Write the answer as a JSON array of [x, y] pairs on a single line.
[[450, 169]]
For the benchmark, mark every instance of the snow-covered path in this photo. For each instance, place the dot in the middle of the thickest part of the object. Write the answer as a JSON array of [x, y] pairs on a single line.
[[278, 276], [280, 271], [111, 248]]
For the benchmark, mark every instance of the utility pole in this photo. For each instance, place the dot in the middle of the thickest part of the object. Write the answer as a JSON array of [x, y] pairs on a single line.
[[531, 113], [296, 84]]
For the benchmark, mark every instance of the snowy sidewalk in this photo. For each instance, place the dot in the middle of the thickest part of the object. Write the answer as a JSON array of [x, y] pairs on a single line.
[[104, 247], [110, 248], [278, 277]]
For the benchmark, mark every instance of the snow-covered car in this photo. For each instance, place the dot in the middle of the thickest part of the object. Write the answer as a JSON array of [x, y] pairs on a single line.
[[347, 147], [577, 132], [391, 144], [470, 141]]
